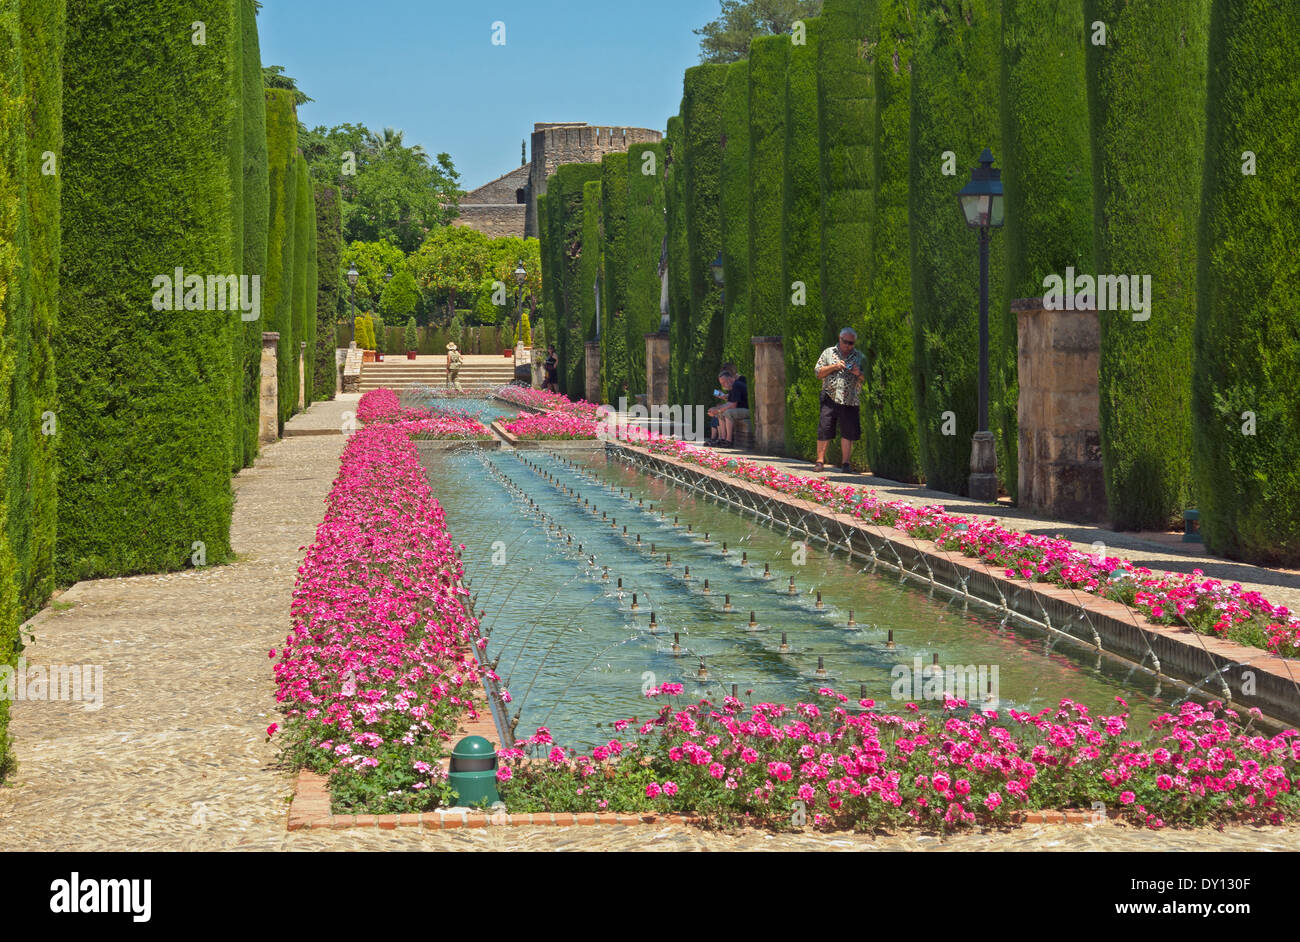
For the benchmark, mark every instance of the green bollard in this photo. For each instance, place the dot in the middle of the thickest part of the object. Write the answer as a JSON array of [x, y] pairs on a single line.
[[473, 771]]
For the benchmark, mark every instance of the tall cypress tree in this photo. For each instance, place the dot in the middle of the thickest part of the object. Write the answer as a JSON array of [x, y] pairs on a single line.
[[734, 202], [586, 272], [304, 224], [1245, 422], [256, 209], [954, 109], [1146, 93], [679, 255], [702, 90], [646, 227], [145, 394], [890, 443], [613, 268], [769, 289], [277, 287], [329, 285], [1048, 180], [805, 332]]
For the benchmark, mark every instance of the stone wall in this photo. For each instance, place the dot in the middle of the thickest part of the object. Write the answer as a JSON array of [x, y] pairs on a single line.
[[494, 220], [573, 143], [1060, 439]]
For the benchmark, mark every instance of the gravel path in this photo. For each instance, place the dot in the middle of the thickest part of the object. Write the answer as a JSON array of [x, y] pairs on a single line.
[[177, 757]]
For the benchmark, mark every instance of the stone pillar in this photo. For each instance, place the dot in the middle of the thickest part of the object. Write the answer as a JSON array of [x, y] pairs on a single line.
[[592, 359], [767, 395], [656, 369], [302, 375], [268, 412], [1058, 412]]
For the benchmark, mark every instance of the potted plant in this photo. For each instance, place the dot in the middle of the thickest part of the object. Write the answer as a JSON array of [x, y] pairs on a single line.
[[412, 342], [381, 340]]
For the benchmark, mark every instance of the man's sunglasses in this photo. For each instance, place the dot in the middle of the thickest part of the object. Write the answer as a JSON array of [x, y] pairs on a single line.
[[848, 343]]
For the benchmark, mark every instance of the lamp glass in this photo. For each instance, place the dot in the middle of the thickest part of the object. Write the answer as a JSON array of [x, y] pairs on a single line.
[[353, 275]]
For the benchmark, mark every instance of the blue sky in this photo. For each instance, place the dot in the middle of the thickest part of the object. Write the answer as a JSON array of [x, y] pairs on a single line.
[[430, 68]]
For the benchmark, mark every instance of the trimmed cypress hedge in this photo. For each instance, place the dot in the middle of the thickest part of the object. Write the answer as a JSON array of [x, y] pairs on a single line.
[[846, 90], [565, 205], [614, 378], [646, 227], [1146, 93], [586, 272], [304, 293], [954, 108], [545, 330], [702, 120], [1047, 178], [256, 207], [235, 145], [312, 288], [14, 256], [278, 286], [1247, 327], [144, 423], [889, 431], [805, 331], [734, 201], [769, 289], [329, 286], [42, 45], [679, 291]]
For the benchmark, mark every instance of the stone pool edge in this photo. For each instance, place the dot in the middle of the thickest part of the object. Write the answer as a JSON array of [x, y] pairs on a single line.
[[1053, 606]]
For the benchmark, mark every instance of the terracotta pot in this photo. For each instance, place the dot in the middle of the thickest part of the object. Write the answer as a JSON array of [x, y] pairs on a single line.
[[367, 356], [507, 354], [379, 357], [410, 355]]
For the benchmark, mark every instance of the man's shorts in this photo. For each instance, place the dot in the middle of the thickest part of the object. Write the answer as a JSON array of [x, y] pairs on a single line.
[[736, 414], [848, 419]]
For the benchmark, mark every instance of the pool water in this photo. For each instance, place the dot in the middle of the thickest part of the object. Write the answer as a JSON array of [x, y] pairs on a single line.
[[575, 656]]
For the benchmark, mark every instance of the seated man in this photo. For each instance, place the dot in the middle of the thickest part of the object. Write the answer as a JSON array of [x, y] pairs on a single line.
[[736, 406]]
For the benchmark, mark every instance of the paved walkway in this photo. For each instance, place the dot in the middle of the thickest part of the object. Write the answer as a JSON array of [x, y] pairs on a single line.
[[177, 758]]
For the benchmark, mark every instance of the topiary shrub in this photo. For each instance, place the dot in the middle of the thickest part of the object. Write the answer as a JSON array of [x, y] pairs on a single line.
[[769, 289], [409, 336], [954, 108], [144, 395], [889, 430], [1245, 421], [679, 255], [1146, 93], [588, 268], [614, 183], [525, 330], [702, 92]]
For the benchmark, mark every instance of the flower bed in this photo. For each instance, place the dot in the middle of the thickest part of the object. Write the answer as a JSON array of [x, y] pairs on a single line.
[[375, 675], [382, 406], [1207, 606], [551, 426], [548, 401], [829, 765]]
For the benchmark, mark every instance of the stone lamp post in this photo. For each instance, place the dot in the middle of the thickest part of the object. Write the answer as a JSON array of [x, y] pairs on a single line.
[[982, 205]]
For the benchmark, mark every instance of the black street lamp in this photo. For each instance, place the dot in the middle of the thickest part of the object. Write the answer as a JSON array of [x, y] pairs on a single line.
[[982, 205], [521, 275]]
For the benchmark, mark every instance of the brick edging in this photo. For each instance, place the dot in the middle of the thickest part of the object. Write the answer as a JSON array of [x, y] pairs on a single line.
[[310, 810]]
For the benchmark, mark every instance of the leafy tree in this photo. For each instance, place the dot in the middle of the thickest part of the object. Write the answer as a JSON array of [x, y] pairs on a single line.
[[452, 262], [727, 38], [373, 260], [273, 77]]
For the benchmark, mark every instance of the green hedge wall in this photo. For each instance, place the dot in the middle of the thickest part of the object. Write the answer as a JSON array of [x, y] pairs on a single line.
[[329, 286], [565, 205], [256, 207], [588, 269], [1146, 92], [769, 289], [702, 90], [846, 92], [144, 424], [42, 28], [889, 428], [304, 294], [1248, 328], [679, 282], [1047, 178], [312, 289], [734, 203], [646, 227], [954, 108], [544, 333], [613, 267], [805, 330], [278, 286], [14, 256], [235, 146]]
